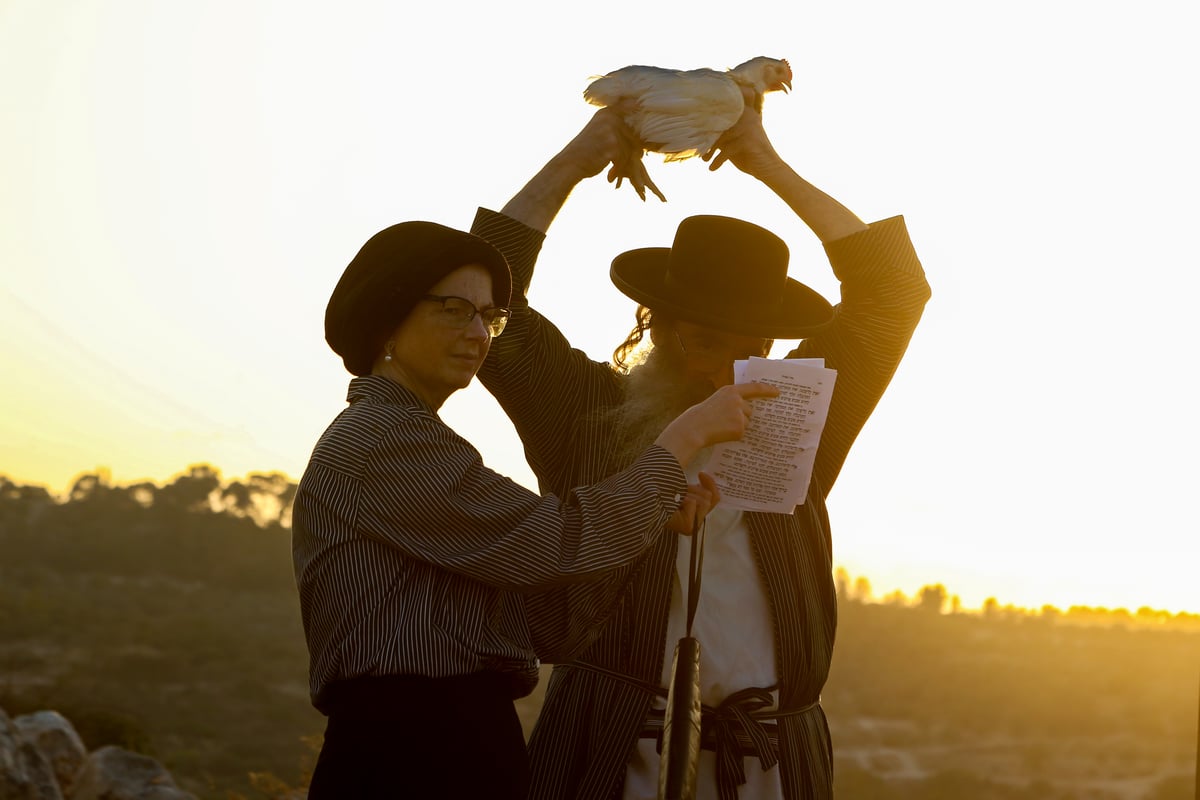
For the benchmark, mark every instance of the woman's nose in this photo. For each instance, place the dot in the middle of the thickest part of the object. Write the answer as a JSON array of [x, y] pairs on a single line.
[[477, 329]]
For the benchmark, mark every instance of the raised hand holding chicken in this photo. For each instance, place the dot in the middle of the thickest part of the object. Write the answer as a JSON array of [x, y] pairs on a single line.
[[682, 113]]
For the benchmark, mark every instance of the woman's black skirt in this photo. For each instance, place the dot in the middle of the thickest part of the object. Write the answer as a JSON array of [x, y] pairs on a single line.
[[410, 736]]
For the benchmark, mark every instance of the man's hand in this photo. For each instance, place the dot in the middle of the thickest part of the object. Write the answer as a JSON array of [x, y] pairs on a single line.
[[606, 139], [701, 498], [746, 146]]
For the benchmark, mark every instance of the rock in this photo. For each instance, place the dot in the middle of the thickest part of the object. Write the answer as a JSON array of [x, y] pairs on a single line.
[[25, 774], [112, 773], [43, 758], [55, 737]]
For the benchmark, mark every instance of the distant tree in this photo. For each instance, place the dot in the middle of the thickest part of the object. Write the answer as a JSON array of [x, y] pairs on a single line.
[[991, 609], [862, 589], [841, 580], [895, 598], [21, 507], [93, 495], [1079, 614], [15, 493], [89, 486], [274, 494], [237, 499], [1013, 612], [1150, 616], [191, 490], [265, 497], [143, 494], [932, 599], [1121, 616]]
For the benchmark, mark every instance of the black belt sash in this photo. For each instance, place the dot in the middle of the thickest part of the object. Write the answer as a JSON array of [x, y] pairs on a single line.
[[742, 725]]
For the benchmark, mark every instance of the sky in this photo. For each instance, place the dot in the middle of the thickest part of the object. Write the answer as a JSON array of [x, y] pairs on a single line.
[[182, 184]]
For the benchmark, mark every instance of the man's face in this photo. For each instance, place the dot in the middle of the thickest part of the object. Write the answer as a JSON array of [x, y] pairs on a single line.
[[706, 354]]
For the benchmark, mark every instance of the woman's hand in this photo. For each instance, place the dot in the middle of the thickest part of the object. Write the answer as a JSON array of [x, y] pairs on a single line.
[[722, 417]]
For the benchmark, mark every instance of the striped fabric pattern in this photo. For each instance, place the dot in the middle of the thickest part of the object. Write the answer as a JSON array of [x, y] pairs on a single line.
[[412, 557], [590, 722]]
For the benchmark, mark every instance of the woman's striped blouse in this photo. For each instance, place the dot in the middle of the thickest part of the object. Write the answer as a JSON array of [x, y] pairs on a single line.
[[412, 557]]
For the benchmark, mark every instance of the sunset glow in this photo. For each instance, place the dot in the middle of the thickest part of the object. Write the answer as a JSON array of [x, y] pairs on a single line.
[[182, 185]]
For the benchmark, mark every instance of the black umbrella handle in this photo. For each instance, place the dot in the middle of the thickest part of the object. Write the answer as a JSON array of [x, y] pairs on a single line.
[[695, 570], [681, 723]]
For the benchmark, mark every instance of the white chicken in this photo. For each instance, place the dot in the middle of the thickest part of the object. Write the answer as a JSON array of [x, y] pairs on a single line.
[[681, 114]]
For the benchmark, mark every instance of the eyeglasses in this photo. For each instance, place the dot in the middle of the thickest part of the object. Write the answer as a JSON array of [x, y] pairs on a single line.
[[710, 356], [457, 312]]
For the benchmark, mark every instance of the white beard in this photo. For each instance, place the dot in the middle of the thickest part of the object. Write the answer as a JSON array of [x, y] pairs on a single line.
[[656, 392]]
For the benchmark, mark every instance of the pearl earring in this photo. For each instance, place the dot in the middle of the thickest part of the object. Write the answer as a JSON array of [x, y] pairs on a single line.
[[387, 356]]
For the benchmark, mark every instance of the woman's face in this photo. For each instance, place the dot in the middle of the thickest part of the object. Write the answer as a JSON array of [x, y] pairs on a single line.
[[432, 353]]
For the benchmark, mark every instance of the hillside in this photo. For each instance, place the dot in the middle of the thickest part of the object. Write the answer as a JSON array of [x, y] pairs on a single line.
[[169, 624]]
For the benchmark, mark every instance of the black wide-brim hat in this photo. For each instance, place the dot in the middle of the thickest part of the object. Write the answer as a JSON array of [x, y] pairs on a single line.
[[723, 273], [389, 275]]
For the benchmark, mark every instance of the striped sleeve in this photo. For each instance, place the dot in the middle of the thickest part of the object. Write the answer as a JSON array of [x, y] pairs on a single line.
[[519, 244], [884, 292], [533, 361], [428, 493], [412, 557]]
